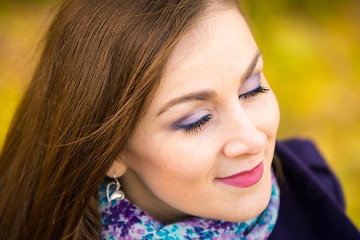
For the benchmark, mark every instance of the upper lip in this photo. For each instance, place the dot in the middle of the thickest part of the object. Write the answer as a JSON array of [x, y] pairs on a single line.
[[242, 173]]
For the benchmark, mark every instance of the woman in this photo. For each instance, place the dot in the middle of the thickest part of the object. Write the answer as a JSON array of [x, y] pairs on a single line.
[[168, 100]]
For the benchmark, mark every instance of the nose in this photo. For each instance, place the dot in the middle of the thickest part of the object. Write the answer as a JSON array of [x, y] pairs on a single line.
[[243, 137]]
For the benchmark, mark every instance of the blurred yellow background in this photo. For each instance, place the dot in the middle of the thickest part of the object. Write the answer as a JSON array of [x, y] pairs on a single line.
[[311, 51]]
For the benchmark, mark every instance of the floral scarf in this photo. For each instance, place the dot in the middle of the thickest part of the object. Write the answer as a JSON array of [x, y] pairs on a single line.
[[121, 219]]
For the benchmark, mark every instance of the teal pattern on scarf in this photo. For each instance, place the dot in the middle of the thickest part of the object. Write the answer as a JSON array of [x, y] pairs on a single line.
[[121, 219]]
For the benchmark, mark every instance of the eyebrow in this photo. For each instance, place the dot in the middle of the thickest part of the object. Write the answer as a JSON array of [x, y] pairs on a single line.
[[208, 94]]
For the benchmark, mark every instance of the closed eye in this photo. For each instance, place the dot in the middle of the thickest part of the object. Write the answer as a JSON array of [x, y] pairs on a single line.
[[251, 87], [253, 93], [196, 125]]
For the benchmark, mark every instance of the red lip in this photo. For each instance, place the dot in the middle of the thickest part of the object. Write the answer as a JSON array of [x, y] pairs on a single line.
[[245, 178]]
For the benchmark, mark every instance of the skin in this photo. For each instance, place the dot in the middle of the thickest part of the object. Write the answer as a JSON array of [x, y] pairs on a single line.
[[172, 174]]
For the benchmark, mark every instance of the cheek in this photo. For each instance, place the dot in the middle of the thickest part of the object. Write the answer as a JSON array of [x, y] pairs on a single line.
[[275, 113], [265, 115], [170, 161], [173, 174]]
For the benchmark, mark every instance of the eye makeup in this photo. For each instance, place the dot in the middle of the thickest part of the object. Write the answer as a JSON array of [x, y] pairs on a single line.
[[251, 87], [254, 92], [194, 122]]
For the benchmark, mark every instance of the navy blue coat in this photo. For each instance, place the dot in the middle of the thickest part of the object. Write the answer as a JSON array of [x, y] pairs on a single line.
[[311, 199]]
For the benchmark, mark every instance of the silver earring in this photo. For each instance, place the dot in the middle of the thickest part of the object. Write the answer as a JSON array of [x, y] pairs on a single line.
[[117, 194]]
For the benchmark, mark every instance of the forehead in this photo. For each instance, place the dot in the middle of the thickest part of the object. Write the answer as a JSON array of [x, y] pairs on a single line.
[[219, 46]]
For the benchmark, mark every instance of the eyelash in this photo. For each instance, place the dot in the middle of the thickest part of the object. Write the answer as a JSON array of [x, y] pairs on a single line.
[[198, 124], [253, 93]]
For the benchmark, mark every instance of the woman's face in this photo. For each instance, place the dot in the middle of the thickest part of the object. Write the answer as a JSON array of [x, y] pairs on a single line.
[[214, 116]]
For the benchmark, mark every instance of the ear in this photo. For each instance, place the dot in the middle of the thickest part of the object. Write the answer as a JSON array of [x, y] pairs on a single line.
[[117, 169]]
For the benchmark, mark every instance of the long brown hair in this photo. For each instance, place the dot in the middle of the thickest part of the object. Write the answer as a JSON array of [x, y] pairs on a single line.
[[101, 64]]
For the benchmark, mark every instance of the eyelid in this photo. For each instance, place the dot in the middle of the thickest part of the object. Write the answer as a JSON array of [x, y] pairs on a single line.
[[190, 119], [250, 84]]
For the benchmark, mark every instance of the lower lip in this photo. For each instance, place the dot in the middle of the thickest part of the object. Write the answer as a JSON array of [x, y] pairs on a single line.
[[245, 178]]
